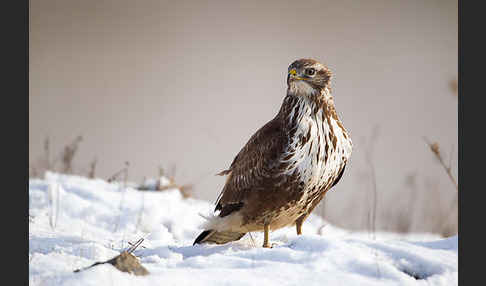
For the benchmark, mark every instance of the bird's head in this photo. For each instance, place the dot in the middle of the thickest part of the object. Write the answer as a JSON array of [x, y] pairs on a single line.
[[308, 76]]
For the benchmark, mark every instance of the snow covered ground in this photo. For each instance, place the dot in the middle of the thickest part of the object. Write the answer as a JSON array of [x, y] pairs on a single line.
[[74, 222]]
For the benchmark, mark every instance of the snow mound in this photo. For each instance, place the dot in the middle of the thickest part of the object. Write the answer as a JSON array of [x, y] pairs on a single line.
[[75, 221]]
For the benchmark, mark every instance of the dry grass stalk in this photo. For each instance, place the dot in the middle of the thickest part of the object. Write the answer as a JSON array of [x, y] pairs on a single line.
[[161, 171], [373, 208], [124, 171], [446, 228], [372, 213], [68, 154], [369, 160], [434, 147], [66, 157], [47, 162], [402, 219], [92, 168]]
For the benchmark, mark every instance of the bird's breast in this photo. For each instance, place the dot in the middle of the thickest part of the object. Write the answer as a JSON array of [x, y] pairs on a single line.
[[316, 151]]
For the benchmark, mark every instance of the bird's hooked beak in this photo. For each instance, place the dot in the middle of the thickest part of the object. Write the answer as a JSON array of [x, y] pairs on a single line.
[[293, 75]]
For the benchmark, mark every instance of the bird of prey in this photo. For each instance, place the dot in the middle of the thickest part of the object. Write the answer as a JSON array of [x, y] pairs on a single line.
[[287, 166]]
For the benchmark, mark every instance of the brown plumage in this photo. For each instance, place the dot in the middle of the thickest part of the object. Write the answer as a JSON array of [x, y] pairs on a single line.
[[288, 165]]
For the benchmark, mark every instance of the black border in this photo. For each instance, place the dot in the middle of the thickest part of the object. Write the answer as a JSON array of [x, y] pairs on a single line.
[[471, 49], [14, 138]]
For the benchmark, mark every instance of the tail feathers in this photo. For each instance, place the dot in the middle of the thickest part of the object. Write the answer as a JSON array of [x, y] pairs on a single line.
[[218, 237], [202, 236]]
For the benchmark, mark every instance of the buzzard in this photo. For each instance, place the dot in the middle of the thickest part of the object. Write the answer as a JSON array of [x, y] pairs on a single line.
[[287, 166]]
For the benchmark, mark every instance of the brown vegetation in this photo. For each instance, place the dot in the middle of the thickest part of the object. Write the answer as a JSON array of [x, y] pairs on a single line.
[[65, 157], [186, 189], [125, 262], [428, 203], [66, 166], [445, 225]]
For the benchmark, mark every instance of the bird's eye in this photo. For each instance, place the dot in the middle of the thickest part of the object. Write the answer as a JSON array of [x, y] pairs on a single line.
[[310, 71]]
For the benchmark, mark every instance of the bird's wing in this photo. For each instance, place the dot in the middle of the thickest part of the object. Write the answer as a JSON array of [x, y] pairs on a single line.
[[339, 176], [257, 161]]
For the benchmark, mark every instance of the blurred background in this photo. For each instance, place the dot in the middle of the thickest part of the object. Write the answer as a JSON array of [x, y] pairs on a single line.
[[181, 86]]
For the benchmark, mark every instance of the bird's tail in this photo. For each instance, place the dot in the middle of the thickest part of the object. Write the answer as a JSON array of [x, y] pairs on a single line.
[[218, 237]]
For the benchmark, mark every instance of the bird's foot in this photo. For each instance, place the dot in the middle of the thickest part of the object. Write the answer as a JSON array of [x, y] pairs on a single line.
[[268, 245]]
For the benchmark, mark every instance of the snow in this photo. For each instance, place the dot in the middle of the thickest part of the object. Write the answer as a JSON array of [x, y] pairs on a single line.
[[75, 221]]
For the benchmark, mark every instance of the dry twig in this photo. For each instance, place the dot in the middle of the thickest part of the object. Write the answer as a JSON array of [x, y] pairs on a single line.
[[135, 245]]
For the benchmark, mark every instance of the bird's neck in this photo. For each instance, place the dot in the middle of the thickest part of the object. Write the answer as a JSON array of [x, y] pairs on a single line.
[[307, 104], [299, 112]]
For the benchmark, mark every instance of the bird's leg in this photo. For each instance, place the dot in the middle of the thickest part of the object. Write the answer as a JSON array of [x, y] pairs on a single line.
[[298, 224], [300, 221], [266, 229]]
